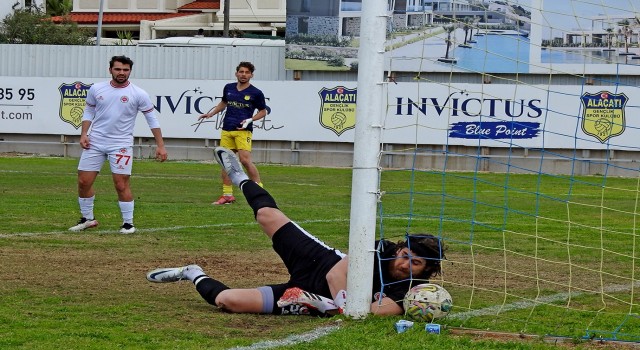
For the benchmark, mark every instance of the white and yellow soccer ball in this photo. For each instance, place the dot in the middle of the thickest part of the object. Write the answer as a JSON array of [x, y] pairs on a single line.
[[427, 302]]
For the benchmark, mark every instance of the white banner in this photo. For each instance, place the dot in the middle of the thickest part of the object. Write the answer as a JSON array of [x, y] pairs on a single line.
[[590, 117]]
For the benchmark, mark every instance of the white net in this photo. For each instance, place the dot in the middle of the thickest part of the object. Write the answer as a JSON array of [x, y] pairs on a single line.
[[524, 160]]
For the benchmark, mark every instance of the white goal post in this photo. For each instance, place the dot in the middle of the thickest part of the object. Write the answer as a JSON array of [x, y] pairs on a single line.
[[365, 180]]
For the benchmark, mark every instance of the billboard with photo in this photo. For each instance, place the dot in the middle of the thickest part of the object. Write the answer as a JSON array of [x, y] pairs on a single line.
[[478, 36], [422, 35], [582, 37]]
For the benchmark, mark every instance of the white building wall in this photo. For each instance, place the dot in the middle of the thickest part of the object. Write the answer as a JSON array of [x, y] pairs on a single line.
[[150, 62], [6, 6]]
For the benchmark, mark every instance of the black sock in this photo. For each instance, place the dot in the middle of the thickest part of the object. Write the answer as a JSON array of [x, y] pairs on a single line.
[[209, 289], [256, 196]]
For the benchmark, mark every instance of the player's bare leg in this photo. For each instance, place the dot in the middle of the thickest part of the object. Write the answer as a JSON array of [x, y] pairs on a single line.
[[85, 183], [252, 171]]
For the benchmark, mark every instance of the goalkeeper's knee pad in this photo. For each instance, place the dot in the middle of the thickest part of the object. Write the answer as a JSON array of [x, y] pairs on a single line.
[[257, 197]]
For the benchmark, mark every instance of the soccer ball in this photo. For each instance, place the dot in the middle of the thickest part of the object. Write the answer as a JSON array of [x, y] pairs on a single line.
[[427, 302]]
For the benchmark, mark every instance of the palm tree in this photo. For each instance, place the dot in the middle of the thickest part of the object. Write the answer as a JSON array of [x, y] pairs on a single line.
[[626, 31], [449, 29], [59, 7], [473, 23], [466, 26], [609, 31]]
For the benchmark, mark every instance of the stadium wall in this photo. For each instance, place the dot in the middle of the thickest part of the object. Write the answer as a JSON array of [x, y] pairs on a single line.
[[218, 63]]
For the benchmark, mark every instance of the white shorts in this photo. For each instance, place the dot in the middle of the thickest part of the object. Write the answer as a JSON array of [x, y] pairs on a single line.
[[120, 159]]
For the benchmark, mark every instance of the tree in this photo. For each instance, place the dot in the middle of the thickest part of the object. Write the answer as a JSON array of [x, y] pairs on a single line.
[[32, 26], [626, 32], [59, 7], [449, 30], [609, 31]]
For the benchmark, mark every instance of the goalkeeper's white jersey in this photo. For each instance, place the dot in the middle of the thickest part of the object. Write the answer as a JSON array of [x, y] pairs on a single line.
[[112, 112]]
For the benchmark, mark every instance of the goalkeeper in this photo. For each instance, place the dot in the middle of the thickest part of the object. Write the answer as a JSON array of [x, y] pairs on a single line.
[[318, 273]]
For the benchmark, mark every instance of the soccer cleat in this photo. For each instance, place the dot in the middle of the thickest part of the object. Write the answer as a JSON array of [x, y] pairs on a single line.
[[127, 228], [224, 200], [170, 274], [229, 162], [300, 297], [84, 224]]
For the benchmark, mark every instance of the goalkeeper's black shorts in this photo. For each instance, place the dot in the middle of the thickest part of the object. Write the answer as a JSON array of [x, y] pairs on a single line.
[[307, 259]]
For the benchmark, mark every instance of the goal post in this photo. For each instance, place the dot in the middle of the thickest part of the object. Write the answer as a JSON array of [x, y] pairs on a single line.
[[365, 176]]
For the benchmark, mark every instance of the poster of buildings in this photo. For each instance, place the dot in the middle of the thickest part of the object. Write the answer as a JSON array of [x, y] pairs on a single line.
[[580, 37], [422, 35], [482, 36]]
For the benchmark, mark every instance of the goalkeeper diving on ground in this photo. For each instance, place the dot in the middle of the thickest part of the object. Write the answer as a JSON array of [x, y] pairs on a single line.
[[318, 273]]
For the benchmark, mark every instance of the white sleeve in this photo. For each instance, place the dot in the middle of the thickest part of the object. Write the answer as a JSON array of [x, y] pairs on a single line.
[[153, 122], [90, 106], [147, 108]]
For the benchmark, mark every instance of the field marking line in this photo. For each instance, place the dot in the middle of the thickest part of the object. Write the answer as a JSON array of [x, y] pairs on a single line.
[[157, 229], [494, 310], [292, 340]]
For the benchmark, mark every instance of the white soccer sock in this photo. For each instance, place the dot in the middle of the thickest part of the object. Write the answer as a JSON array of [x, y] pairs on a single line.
[[238, 177], [86, 207], [192, 274], [126, 208], [341, 299]]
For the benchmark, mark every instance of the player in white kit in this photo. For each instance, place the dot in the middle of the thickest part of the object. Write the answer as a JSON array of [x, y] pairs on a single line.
[[107, 133]]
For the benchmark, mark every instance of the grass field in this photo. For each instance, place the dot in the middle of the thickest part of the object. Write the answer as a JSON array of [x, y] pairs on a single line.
[[88, 290], [295, 64]]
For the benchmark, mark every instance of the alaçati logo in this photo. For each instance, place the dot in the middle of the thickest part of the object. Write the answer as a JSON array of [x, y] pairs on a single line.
[[72, 102], [338, 109], [603, 114]]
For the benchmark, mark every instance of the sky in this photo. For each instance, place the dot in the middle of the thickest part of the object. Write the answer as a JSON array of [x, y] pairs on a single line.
[[567, 15], [573, 14]]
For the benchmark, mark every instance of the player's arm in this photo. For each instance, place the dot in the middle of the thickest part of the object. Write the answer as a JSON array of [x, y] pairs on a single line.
[[154, 125], [263, 110], [386, 307], [87, 118], [217, 109], [149, 112], [84, 137], [261, 114], [161, 152]]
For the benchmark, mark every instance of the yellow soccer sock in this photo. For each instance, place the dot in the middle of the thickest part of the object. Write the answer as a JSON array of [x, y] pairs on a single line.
[[227, 190]]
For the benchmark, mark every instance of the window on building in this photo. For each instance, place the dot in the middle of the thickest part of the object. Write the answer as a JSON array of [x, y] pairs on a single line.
[[305, 6]]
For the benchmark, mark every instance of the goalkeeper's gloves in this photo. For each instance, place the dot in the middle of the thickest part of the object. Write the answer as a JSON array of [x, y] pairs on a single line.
[[245, 123]]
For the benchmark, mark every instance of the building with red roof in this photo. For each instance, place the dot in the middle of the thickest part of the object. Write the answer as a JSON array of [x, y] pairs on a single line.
[[154, 19]]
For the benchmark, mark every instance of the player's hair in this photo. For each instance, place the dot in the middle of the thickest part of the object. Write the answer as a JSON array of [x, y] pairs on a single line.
[[429, 247], [122, 59], [247, 65]]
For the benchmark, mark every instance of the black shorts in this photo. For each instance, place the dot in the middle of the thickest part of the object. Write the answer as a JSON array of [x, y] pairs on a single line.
[[307, 259]]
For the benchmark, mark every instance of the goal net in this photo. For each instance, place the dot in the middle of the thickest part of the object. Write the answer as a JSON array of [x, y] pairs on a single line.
[[523, 158]]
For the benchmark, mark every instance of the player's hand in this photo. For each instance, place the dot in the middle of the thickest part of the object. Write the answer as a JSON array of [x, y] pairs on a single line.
[[161, 154], [84, 141], [204, 116], [245, 123]]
